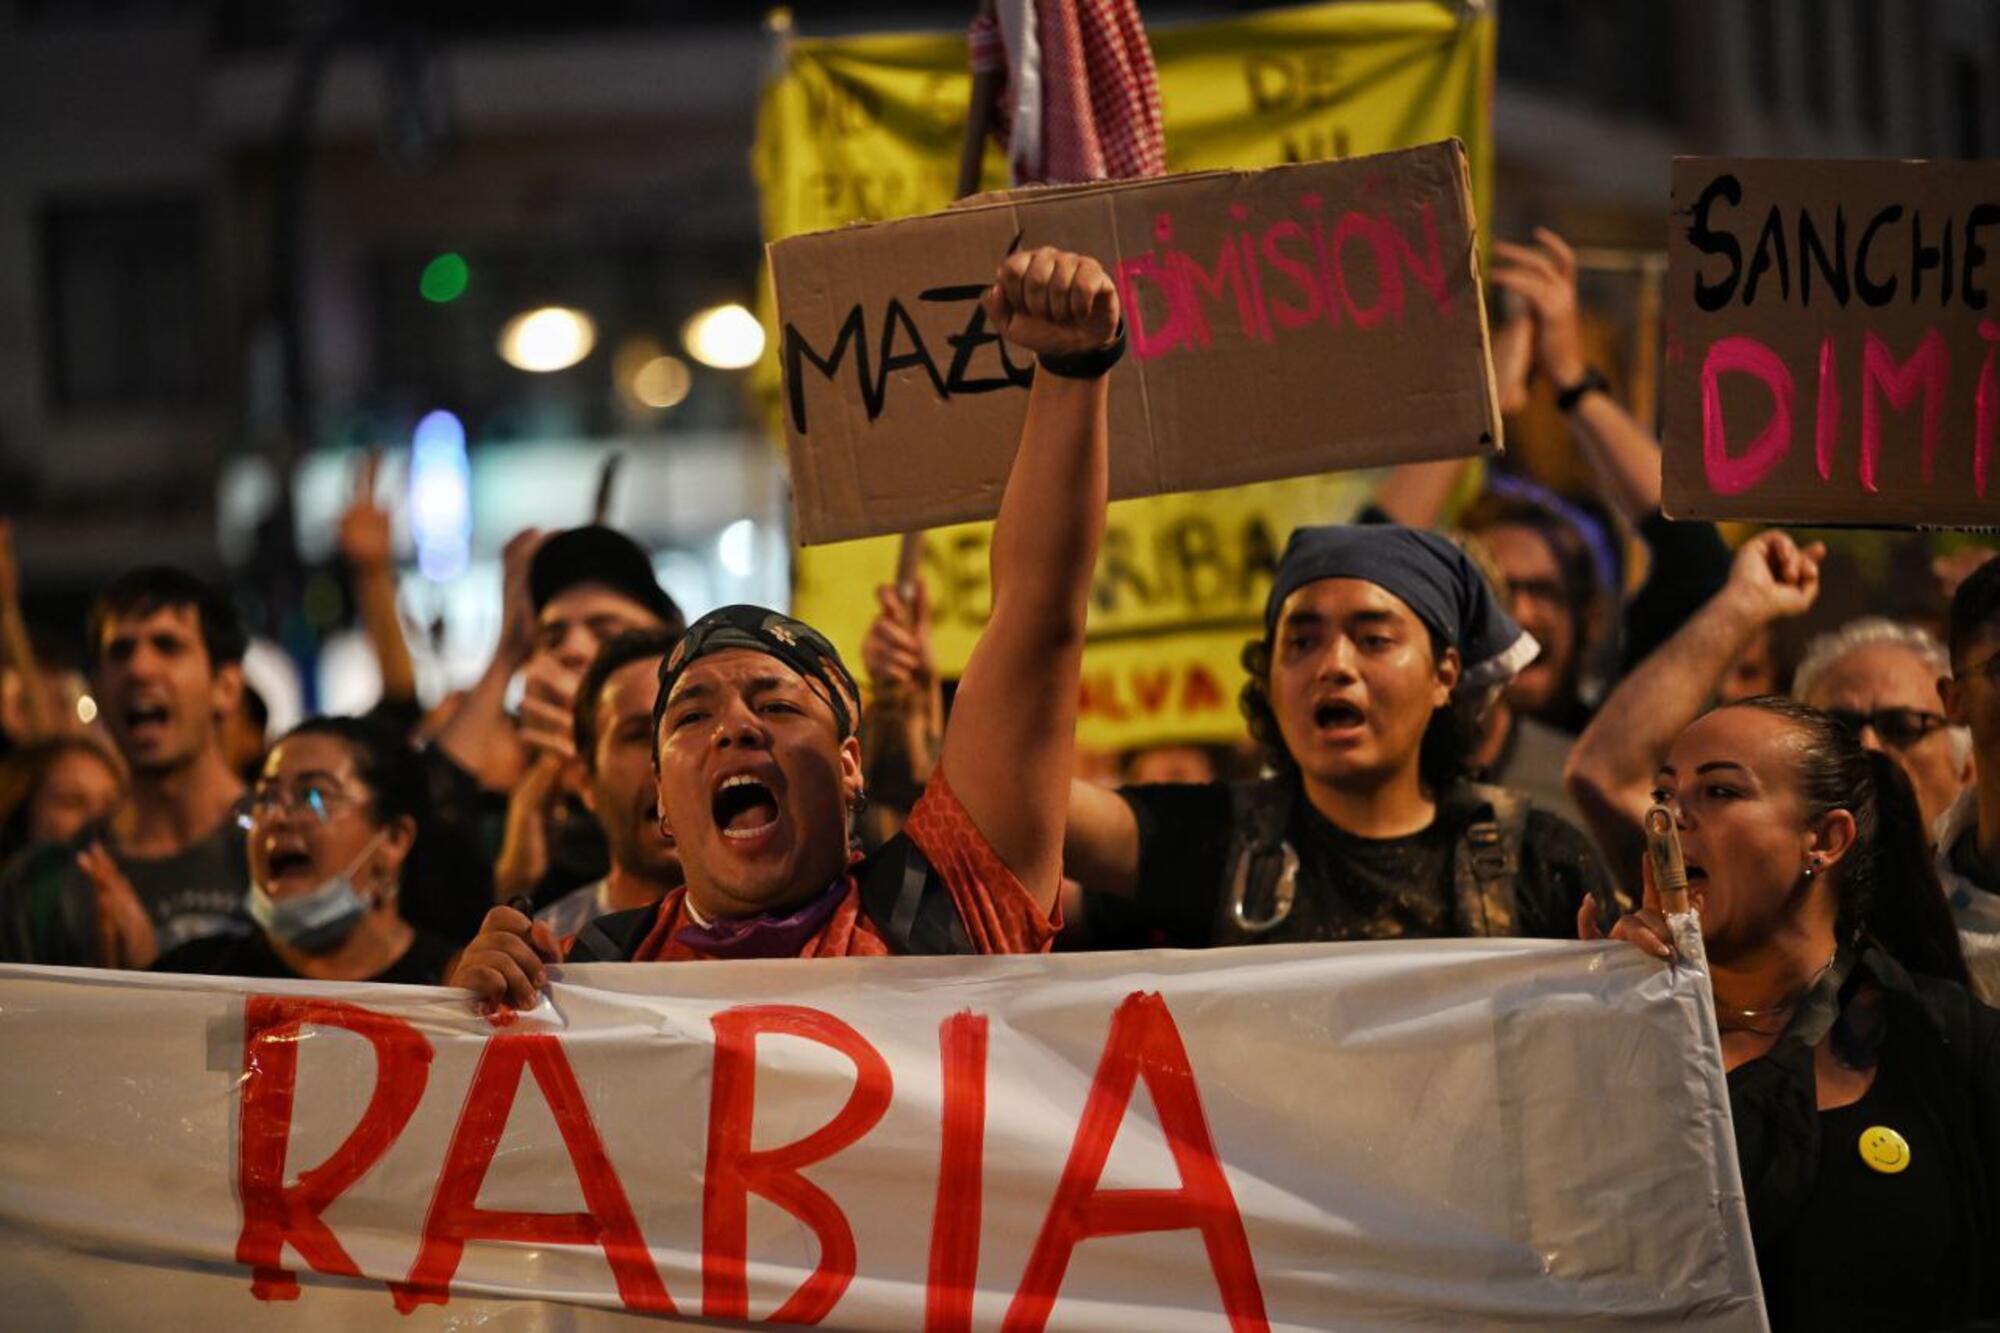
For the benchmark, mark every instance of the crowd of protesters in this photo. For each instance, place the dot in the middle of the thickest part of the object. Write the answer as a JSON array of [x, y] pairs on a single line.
[[1456, 732]]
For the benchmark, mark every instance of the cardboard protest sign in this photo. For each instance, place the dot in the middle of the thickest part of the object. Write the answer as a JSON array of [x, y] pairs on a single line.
[[1831, 330], [1179, 589], [1294, 1137], [867, 127], [1282, 323]]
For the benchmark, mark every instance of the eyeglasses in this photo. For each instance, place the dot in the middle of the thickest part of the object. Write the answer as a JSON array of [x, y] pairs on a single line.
[[318, 796], [1899, 728]]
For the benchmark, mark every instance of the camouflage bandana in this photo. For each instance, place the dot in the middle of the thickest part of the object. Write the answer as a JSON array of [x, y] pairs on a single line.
[[761, 630]]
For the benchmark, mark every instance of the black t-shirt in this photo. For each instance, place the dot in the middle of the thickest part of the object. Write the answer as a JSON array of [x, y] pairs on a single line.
[[1349, 887], [449, 888], [422, 964], [1839, 1245], [48, 907], [1871, 1248]]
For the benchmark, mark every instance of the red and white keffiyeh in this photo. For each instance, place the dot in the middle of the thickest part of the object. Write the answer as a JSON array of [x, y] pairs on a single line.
[[1080, 100]]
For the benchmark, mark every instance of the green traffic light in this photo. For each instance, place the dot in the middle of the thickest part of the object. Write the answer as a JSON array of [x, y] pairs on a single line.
[[445, 278]]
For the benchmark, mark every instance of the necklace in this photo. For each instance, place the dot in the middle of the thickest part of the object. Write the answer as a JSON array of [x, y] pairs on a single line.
[[1730, 1018]]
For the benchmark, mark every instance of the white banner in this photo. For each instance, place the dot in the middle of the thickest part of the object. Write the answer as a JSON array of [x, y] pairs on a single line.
[[1507, 1133]]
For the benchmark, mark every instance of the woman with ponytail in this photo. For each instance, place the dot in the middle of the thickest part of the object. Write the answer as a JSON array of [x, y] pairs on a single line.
[[1864, 1079]]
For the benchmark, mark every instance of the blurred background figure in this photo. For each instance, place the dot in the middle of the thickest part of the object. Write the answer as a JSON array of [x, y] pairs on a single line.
[[617, 783], [51, 790], [505, 781], [167, 650], [243, 733]]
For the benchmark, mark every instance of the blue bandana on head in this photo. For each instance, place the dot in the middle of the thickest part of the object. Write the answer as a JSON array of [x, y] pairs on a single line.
[[1428, 574]]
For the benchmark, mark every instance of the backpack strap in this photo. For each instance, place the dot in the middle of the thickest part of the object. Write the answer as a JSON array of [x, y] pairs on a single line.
[[909, 903], [1263, 869], [612, 938], [1486, 857]]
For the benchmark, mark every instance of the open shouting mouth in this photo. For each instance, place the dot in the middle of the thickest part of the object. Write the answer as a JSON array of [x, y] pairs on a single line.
[[745, 808], [1338, 717], [286, 860], [146, 720]]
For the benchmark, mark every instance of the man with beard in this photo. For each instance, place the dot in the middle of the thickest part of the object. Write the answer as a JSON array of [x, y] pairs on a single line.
[[614, 749], [168, 653], [759, 765]]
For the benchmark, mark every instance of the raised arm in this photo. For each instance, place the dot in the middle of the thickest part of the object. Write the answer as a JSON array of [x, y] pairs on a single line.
[[364, 542], [1415, 494], [1009, 744], [480, 738], [904, 718], [1623, 453], [1611, 766], [16, 650]]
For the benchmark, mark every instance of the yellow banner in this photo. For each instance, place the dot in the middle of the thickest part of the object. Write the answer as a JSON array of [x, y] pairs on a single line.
[[866, 128]]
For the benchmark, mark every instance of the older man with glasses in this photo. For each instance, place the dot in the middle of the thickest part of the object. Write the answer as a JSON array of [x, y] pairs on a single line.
[[1968, 837], [1879, 679]]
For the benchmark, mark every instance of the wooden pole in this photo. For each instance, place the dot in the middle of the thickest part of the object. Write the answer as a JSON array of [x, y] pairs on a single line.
[[978, 121], [607, 487]]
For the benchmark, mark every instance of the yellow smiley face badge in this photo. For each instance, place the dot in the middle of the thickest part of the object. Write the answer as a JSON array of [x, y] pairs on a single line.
[[1884, 1149]]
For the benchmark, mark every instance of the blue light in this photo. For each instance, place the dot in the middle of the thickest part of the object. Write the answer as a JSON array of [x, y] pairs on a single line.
[[440, 497]]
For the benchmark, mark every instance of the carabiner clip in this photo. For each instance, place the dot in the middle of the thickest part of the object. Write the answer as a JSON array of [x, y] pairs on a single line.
[[1282, 894]]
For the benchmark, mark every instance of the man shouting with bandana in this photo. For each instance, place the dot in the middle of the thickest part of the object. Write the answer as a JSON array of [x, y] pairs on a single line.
[[754, 736]]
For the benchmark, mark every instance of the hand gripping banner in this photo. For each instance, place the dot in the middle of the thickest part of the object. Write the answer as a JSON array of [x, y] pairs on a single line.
[[1505, 1133]]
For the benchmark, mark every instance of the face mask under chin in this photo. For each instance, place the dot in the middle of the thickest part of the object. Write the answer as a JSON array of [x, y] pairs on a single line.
[[319, 919]]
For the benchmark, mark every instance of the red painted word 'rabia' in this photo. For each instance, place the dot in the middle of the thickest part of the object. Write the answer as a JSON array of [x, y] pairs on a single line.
[[735, 1172], [1143, 1043], [275, 1215], [456, 1217]]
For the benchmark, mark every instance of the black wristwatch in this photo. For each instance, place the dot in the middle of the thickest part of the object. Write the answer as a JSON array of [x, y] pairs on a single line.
[[1569, 396]]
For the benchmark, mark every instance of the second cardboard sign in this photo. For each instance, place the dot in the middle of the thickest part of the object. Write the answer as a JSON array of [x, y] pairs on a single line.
[[1831, 330], [1282, 323]]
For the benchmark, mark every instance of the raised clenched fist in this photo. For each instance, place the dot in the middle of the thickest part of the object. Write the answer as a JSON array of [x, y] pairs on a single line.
[[1052, 302]]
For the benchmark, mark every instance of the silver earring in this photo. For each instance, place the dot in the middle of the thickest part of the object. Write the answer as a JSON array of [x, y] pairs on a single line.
[[1810, 867]]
